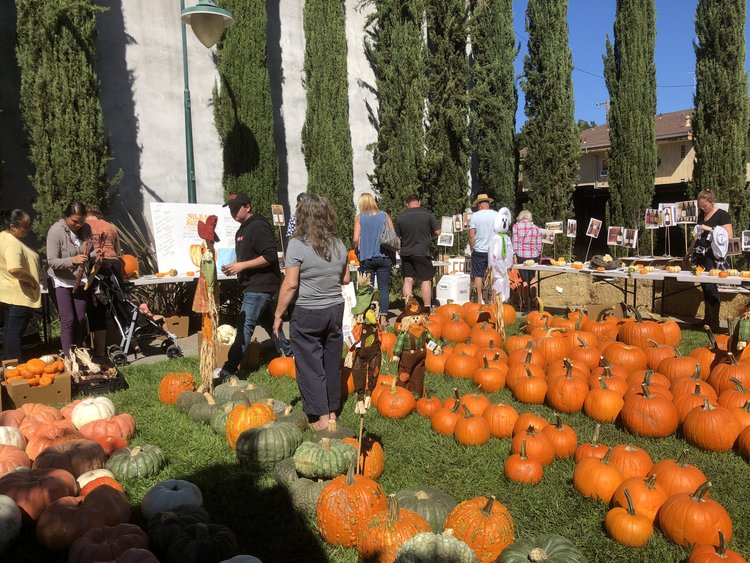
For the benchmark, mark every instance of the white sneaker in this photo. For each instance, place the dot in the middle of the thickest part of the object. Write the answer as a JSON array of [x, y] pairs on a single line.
[[221, 375]]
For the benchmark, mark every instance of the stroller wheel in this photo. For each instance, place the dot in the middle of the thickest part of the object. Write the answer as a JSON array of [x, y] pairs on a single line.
[[173, 351], [119, 358]]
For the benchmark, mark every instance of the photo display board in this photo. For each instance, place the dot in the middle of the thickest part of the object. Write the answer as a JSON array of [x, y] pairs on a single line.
[[175, 228]]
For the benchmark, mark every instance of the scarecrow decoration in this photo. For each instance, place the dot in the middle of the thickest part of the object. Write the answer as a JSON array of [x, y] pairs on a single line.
[[500, 257], [364, 355], [204, 302], [410, 349]]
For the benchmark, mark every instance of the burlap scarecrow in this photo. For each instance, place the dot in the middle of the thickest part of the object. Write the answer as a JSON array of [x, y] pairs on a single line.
[[410, 350], [204, 302]]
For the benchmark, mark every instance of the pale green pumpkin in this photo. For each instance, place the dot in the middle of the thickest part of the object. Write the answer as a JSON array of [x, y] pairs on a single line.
[[187, 399], [140, 461], [225, 391], [549, 547], [267, 444], [306, 492], [295, 416], [325, 459], [428, 547], [430, 503]]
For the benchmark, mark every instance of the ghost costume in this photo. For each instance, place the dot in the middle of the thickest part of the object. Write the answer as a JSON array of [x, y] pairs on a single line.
[[500, 257]]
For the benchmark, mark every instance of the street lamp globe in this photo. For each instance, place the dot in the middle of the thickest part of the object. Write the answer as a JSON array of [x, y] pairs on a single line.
[[208, 21]]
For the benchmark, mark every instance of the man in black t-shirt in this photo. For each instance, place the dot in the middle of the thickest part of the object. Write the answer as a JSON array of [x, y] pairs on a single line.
[[416, 228], [257, 269]]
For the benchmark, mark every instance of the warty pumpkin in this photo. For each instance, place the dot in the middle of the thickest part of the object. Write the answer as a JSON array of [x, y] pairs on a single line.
[[692, 519], [371, 459], [484, 524], [382, 534], [172, 384]]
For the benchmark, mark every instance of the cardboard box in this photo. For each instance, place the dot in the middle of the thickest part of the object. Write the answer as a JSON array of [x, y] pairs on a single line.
[[18, 392], [177, 325], [250, 361]]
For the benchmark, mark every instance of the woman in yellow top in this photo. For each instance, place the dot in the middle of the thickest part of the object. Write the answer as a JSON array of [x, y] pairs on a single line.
[[19, 281]]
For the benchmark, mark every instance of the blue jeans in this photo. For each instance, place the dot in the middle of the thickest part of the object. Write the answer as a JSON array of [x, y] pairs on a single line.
[[16, 317], [255, 309], [379, 268]]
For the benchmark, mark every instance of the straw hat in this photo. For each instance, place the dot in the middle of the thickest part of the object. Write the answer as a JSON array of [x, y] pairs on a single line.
[[481, 198]]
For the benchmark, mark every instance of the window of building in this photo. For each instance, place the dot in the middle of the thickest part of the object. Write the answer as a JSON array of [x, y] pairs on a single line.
[[683, 151]]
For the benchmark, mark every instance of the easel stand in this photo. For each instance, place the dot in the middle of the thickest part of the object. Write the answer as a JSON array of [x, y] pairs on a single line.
[[652, 242], [588, 249]]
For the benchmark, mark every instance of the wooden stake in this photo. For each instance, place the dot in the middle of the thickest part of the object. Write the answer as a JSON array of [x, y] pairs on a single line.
[[591, 239], [359, 442]]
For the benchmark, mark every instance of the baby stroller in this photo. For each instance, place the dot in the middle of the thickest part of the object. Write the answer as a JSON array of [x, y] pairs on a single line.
[[132, 323]]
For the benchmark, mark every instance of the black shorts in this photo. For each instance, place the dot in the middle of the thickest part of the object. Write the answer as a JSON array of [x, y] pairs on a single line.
[[478, 264], [419, 267]]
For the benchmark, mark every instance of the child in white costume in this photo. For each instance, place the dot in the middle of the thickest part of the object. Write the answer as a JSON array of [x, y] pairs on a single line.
[[500, 257]]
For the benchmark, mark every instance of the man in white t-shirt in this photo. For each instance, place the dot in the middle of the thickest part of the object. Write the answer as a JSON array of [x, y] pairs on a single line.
[[480, 235]]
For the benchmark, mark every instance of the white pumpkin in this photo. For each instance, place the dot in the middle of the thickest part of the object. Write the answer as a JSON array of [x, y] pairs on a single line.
[[88, 476], [170, 494], [10, 522], [92, 409], [49, 358], [11, 436]]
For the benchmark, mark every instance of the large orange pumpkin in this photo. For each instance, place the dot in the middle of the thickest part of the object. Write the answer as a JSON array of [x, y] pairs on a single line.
[[172, 384], [383, 533], [693, 519], [484, 524], [243, 417], [372, 459], [130, 266]]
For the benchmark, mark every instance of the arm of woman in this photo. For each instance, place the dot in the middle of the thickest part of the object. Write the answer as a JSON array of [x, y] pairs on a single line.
[[357, 229], [346, 275], [286, 294], [728, 228]]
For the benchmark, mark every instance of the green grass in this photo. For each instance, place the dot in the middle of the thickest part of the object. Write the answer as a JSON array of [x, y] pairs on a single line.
[[259, 511]]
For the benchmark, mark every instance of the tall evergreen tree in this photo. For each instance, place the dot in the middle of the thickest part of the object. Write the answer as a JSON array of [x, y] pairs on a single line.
[[396, 50], [721, 99], [493, 119], [242, 108], [552, 140], [447, 134], [630, 74], [326, 140], [60, 105]]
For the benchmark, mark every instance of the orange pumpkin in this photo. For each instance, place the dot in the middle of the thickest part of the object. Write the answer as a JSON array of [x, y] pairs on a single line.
[[243, 417], [172, 384], [383, 533], [372, 458], [130, 267], [484, 524]]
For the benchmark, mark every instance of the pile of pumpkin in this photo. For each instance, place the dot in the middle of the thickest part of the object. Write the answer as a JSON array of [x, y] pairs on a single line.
[[38, 372]]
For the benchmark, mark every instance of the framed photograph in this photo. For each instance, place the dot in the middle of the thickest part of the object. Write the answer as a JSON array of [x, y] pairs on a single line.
[[445, 239], [724, 206], [687, 211], [572, 228], [614, 236], [735, 247], [548, 236], [555, 226], [745, 241], [595, 226], [458, 223], [669, 214], [446, 224], [277, 211], [467, 220], [630, 238], [653, 219]]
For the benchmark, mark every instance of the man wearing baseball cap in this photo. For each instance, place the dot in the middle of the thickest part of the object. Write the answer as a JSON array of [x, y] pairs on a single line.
[[257, 269], [481, 230]]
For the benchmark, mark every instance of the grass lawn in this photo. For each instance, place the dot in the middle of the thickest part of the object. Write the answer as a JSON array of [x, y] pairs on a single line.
[[259, 511]]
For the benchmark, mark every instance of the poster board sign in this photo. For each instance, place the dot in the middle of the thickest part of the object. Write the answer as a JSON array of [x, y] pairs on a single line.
[[277, 212], [630, 238], [458, 223], [446, 224], [687, 212], [724, 206], [614, 236], [175, 227], [572, 228], [734, 247], [555, 226], [548, 236], [445, 239], [653, 219], [745, 241], [669, 214], [595, 225], [467, 220]]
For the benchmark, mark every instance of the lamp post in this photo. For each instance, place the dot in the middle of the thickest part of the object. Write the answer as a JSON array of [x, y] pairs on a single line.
[[208, 22]]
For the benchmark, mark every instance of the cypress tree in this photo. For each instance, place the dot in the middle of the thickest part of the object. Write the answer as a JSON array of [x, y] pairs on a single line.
[[445, 178], [631, 79], [395, 48], [60, 106], [326, 140], [552, 140], [243, 111], [720, 122], [493, 119]]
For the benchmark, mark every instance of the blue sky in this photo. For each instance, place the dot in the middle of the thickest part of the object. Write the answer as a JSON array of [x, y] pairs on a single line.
[[589, 21]]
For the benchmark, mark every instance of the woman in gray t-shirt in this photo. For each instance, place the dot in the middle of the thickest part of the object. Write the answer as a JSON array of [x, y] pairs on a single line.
[[314, 270]]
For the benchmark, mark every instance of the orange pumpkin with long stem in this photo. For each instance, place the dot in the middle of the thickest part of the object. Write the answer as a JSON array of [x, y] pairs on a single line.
[[692, 519], [484, 524], [383, 533]]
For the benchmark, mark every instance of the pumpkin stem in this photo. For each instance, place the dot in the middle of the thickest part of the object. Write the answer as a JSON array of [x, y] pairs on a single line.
[[707, 406], [486, 363], [540, 304], [492, 344], [201, 531], [392, 508], [700, 492], [421, 495], [531, 430], [606, 457], [738, 384], [538, 554], [582, 343], [288, 410], [469, 414], [650, 481], [458, 400], [522, 454], [350, 473], [595, 438], [711, 338], [722, 549], [631, 508], [696, 372], [746, 406], [603, 314], [644, 386], [325, 443], [682, 460], [602, 383], [135, 451], [578, 321], [332, 425], [732, 360], [559, 423], [487, 510], [697, 390]]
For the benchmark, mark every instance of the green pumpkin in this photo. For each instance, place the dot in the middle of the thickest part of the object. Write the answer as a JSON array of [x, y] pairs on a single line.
[[295, 416], [286, 472], [254, 393], [218, 420], [430, 503], [325, 459], [278, 407], [428, 547], [187, 399], [201, 412], [224, 392], [199, 543], [267, 444], [140, 461], [334, 432], [305, 493], [549, 547], [161, 528]]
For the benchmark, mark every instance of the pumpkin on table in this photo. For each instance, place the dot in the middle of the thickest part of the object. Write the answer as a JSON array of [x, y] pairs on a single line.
[[383, 533], [169, 494], [484, 524], [542, 548], [345, 503], [107, 543]]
